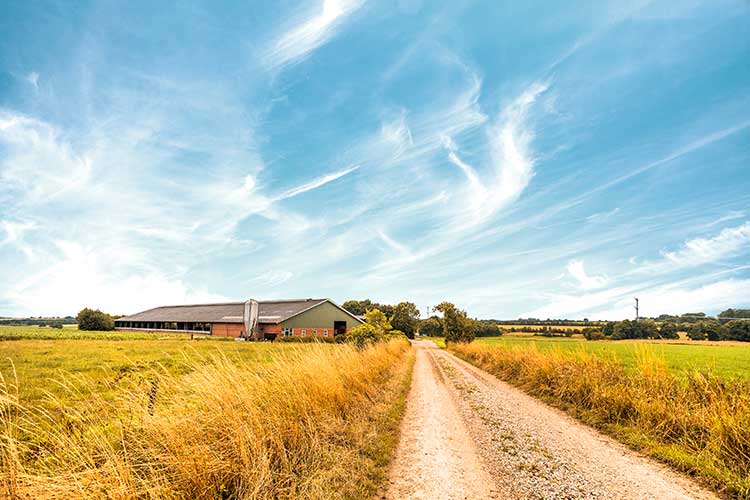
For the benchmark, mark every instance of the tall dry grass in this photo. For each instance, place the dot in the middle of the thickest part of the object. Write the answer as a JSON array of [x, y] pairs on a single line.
[[318, 422], [697, 422]]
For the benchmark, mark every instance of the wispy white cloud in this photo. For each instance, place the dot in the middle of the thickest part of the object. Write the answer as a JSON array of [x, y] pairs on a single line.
[[479, 193], [14, 236], [315, 183], [393, 244], [271, 278], [680, 152], [306, 36], [511, 158], [33, 79], [510, 146], [730, 242], [31, 147], [585, 282]]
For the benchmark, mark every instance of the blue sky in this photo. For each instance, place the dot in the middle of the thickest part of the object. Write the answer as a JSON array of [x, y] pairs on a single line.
[[516, 158]]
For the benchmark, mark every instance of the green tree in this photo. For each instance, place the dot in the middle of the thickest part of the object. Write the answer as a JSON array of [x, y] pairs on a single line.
[[624, 330], [486, 329], [405, 318], [379, 320], [668, 330], [692, 317], [608, 329], [90, 319], [360, 307], [364, 335], [695, 332], [431, 327], [711, 330], [647, 329], [734, 313], [457, 326], [738, 329], [375, 328], [593, 333], [357, 307]]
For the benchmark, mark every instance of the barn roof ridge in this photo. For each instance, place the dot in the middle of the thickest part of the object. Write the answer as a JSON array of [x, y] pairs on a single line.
[[227, 312]]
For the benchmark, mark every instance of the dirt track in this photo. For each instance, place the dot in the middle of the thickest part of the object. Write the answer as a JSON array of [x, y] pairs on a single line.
[[468, 435]]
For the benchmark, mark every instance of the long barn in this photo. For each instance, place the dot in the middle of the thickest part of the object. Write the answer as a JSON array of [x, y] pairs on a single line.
[[299, 318]]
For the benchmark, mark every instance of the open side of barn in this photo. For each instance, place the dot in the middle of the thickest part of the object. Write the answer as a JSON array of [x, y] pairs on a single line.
[[299, 318]]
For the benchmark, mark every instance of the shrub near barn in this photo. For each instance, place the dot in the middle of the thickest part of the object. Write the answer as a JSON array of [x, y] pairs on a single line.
[[94, 320]]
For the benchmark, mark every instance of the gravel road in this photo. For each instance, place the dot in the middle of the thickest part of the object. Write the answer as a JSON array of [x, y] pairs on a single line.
[[468, 435]]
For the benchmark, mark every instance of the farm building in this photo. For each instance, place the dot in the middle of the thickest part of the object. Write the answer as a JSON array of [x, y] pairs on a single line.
[[249, 319]]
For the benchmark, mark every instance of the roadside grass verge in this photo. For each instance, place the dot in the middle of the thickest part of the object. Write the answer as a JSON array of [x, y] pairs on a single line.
[[313, 422], [438, 341], [697, 422]]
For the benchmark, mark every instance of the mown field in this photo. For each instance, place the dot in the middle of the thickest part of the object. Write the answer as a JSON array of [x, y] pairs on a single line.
[[685, 404], [109, 415]]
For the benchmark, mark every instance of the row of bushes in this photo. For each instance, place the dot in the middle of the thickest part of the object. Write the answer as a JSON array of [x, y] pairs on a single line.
[[713, 330], [698, 422], [738, 330]]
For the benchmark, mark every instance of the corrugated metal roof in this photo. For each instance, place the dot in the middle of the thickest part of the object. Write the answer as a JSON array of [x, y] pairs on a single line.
[[270, 311]]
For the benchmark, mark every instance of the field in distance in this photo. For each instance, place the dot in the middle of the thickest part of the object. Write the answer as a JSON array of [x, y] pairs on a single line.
[[721, 358], [46, 360]]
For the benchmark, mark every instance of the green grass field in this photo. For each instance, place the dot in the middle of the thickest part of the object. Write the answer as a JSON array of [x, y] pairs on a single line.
[[726, 360], [46, 361]]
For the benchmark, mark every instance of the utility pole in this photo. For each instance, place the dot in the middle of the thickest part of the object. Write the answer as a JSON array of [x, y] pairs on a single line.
[[636, 309]]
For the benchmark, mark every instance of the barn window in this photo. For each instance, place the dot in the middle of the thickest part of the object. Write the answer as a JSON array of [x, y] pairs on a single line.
[[287, 332], [325, 332], [315, 332], [304, 333]]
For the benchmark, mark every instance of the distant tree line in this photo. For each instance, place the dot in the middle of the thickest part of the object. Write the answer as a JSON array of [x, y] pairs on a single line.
[[453, 323], [695, 317], [53, 321], [549, 331], [547, 322], [707, 329]]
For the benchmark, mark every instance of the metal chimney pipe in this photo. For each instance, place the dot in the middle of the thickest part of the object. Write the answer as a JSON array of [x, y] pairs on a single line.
[[250, 318]]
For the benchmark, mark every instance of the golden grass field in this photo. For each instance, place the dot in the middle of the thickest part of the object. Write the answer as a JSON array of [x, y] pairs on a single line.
[[171, 418]]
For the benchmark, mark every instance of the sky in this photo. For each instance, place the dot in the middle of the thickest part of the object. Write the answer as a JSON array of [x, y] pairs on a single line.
[[520, 159]]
